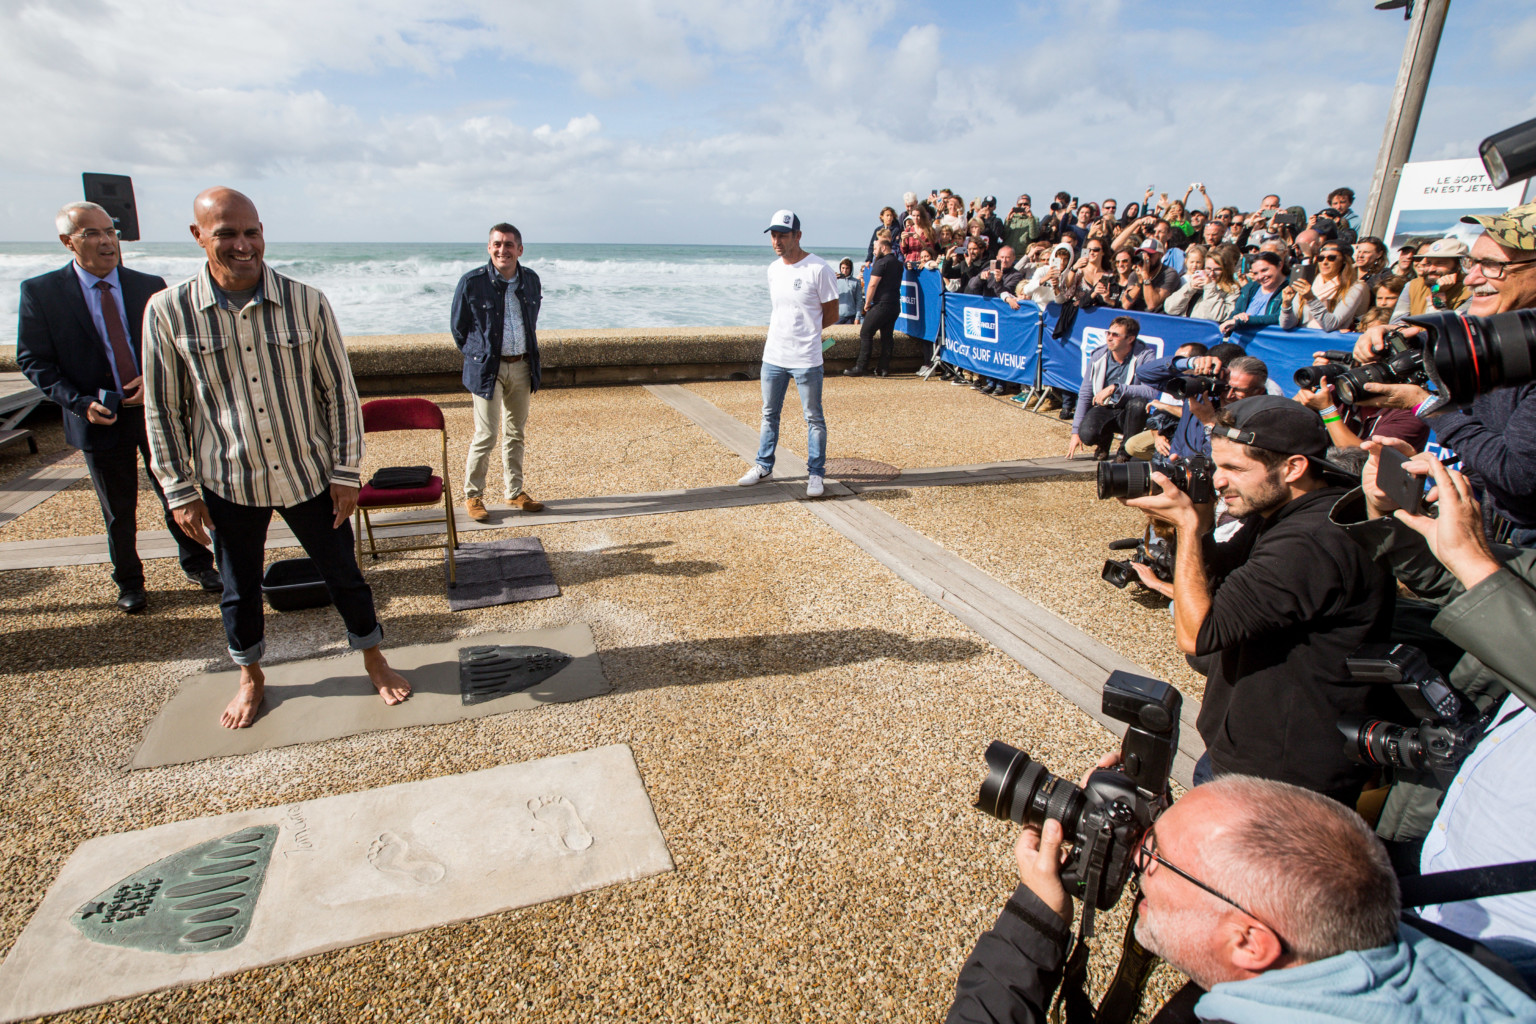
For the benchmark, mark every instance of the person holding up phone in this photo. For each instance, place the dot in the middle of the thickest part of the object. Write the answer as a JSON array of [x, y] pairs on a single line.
[[80, 341]]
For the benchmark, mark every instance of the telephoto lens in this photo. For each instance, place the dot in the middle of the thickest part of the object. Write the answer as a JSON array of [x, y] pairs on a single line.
[[1311, 377], [1469, 355], [1192, 385], [1124, 480]]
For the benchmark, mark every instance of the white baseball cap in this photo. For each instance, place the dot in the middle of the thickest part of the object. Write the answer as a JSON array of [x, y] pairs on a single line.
[[784, 220]]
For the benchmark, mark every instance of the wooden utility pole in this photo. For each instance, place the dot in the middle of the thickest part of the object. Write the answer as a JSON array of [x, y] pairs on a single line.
[[1403, 120]]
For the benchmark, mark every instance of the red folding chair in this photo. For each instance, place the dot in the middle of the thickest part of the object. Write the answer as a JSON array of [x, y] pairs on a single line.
[[386, 414]]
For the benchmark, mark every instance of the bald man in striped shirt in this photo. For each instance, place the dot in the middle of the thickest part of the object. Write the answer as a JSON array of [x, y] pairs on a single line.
[[251, 409]]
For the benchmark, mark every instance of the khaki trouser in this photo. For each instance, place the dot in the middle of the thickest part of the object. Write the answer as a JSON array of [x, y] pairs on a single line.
[[510, 401], [1142, 445]]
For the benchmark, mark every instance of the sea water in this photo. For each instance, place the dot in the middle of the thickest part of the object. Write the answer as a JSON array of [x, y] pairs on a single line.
[[407, 288]]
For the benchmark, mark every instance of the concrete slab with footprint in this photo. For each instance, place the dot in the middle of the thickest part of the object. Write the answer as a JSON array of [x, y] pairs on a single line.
[[194, 900]]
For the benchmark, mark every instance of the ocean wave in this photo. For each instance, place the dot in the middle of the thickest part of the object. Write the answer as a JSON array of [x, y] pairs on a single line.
[[406, 289]]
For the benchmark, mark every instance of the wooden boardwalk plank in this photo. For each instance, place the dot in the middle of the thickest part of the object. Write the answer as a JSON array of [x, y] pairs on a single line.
[[26, 492]]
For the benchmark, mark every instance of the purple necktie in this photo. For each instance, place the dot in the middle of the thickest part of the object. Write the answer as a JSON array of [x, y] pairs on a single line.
[[127, 366]]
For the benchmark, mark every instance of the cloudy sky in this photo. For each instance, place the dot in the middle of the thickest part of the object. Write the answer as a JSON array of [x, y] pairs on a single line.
[[689, 121]]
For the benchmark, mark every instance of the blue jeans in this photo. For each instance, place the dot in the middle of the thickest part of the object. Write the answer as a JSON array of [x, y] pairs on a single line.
[[775, 383], [1204, 772], [240, 538]]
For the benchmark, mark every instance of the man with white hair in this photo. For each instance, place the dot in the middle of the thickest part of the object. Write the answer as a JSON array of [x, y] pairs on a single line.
[[1278, 902], [79, 340]]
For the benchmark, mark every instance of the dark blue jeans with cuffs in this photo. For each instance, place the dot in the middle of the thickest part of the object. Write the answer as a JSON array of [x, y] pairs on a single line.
[[240, 541]]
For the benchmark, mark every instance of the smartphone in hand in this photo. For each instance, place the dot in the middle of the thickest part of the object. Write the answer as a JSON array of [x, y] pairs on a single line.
[[1405, 490]]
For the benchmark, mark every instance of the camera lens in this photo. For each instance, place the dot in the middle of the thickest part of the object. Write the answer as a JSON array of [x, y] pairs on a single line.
[[1474, 354], [1020, 790], [1350, 387], [1118, 573], [1125, 480], [1312, 376], [1188, 387], [1383, 743]]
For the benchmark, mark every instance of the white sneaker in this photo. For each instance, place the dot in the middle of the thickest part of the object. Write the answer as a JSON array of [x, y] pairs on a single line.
[[814, 488], [756, 474]]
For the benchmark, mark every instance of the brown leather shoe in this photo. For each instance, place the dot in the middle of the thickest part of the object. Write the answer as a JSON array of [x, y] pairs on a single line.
[[523, 503], [476, 509]]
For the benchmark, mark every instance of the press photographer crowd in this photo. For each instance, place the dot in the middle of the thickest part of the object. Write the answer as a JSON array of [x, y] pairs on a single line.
[[1360, 841]]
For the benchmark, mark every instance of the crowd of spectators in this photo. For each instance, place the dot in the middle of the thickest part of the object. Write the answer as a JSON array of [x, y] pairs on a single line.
[[1301, 559], [1180, 257]]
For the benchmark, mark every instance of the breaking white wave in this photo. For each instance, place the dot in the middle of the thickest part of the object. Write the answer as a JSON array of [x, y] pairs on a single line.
[[401, 288]]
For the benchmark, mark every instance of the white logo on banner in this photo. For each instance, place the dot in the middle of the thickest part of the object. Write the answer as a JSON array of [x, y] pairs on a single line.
[[980, 324], [911, 301], [1094, 339]]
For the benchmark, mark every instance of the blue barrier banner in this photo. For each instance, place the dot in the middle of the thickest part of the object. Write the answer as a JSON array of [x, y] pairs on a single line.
[[922, 304], [1283, 352], [988, 337]]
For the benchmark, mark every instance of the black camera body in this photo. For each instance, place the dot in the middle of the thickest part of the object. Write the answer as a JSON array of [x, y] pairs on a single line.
[[1402, 362], [1448, 728], [1106, 818], [1339, 362], [1195, 476], [1152, 549], [1192, 384]]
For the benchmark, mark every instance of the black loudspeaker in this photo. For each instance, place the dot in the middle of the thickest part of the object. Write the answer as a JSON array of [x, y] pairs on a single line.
[[114, 193]]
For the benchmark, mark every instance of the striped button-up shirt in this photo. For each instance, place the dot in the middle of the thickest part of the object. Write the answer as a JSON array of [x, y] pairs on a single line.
[[258, 405]]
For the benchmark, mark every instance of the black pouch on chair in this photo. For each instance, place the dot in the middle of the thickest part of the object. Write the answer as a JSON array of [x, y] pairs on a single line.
[[392, 478]]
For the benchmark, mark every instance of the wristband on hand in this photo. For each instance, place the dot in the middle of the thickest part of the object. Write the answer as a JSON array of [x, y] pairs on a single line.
[[1335, 418]]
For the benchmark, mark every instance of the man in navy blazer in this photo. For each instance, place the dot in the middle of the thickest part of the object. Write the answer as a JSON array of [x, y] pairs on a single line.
[[494, 321], [79, 341]]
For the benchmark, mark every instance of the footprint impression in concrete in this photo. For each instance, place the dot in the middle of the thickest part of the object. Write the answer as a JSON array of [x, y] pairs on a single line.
[[394, 856], [556, 816]]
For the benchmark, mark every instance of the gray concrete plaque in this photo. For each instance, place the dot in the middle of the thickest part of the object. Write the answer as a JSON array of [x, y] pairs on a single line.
[[339, 871], [324, 698]]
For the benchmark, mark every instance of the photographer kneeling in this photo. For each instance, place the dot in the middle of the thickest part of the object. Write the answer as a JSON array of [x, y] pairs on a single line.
[[1278, 902], [1103, 407], [1294, 598]]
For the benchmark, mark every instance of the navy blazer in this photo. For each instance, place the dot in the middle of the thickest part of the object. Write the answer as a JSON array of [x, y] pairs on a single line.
[[476, 322], [60, 350]]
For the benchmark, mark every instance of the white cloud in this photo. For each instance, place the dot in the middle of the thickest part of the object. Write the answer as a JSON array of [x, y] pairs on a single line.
[[831, 108]]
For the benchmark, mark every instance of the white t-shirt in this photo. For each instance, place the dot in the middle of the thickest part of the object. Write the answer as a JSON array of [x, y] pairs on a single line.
[[797, 291]]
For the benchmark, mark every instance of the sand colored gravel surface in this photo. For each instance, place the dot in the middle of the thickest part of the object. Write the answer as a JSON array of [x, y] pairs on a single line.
[[906, 422], [809, 728], [811, 738]]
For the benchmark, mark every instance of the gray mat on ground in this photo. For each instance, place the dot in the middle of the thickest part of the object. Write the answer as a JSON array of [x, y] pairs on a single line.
[[500, 572], [323, 699]]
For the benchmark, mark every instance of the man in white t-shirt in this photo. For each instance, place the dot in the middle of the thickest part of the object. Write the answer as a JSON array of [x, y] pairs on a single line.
[[803, 290]]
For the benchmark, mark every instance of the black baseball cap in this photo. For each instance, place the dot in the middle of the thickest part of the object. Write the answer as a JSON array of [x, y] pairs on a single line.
[[990, 201], [1283, 425]]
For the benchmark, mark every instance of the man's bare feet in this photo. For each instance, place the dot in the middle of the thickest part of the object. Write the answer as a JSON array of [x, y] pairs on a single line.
[[392, 686], [243, 709]]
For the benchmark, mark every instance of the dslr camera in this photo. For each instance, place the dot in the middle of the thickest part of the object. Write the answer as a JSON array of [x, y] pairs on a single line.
[[1448, 727], [1195, 476], [1312, 377], [1153, 548], [1106, 818], [1402, 362]]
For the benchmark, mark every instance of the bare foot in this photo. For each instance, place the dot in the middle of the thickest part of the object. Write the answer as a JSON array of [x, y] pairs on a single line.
[[243, 709], [392, 686]]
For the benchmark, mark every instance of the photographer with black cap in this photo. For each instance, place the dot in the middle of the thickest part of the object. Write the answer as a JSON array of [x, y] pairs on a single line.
[[1295, 597], [1495, 436]]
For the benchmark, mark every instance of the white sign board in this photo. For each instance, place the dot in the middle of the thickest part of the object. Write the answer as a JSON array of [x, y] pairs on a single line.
[[1433, 196]]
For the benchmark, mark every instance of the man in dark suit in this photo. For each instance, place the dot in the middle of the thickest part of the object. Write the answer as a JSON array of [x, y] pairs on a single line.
[[79, 341]]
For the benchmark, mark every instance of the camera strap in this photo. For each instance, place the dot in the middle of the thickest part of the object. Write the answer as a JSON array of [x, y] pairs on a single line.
[[1468, 883]]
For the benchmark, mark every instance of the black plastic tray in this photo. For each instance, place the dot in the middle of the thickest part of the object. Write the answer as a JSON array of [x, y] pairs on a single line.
[[294, 583]]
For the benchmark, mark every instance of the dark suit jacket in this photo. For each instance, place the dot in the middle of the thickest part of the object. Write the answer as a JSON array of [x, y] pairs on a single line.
[[60, 350]]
